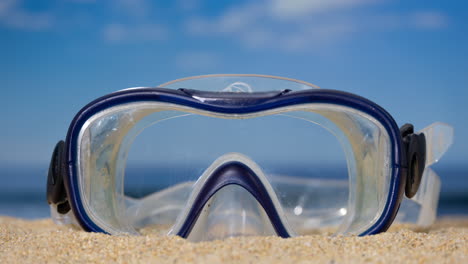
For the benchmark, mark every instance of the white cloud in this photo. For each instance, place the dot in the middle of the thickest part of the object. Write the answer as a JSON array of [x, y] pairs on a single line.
[[428, 20], [239, 18], [416, 20], [197, 61], [12, 16], [255, 27], [233, 20], [297, 8], [134, 21], [119, 33], [258, 26]]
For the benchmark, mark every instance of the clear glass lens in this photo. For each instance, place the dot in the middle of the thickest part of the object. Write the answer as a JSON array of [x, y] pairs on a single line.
[[165, 155], [327, 164]]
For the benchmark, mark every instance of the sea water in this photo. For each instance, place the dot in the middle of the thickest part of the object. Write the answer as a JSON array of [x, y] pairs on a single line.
[[23, 189]]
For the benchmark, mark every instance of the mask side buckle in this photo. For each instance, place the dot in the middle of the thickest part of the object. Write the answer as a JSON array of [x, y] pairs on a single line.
[[415, 148], [56, 192]]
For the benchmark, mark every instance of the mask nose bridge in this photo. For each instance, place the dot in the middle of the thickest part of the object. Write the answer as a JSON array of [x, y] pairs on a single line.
[[235, 172]]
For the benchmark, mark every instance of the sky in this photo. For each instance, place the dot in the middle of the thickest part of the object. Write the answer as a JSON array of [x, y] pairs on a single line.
[[410, 57]]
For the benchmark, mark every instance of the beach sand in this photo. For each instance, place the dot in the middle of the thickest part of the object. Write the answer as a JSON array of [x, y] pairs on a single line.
[[41, 241]]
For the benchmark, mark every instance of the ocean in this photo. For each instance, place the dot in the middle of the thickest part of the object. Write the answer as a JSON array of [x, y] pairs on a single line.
[[23, 190]]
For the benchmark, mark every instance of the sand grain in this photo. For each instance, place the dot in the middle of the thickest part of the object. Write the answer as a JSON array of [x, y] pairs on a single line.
[[41, 241]]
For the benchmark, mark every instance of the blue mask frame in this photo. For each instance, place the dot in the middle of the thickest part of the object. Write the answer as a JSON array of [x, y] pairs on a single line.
[[229, 103]]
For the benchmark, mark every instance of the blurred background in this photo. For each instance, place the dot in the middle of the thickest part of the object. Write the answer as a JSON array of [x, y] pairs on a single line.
[[411, 57]]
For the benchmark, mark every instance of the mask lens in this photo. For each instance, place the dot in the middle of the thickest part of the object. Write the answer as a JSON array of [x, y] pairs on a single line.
[[304, 162], [326, 165]]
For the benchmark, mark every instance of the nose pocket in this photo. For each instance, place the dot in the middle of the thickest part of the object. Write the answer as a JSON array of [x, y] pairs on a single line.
[[233, 197], [231, 211]]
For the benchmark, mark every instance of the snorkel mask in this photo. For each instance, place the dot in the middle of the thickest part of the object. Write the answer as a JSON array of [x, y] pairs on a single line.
[[214, 156]]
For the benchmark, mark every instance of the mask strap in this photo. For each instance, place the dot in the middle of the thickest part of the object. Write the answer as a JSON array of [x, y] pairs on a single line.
[[439, 137], [421, 209], [62, 219]]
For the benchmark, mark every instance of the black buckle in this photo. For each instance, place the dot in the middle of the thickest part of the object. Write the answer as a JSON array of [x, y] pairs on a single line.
[[56, 193], [415, 147]]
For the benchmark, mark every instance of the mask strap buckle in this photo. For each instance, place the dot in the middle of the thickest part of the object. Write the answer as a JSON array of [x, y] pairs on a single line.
[[415, 147], [56, 192]]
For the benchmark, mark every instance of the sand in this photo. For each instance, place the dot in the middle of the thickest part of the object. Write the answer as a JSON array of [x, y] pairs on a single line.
[[42, 241]]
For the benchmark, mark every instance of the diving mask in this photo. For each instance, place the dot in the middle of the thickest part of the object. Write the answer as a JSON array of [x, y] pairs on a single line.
[[209, 157]]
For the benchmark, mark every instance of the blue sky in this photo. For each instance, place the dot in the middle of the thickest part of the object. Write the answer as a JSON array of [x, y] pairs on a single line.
[[411, 57]]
